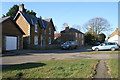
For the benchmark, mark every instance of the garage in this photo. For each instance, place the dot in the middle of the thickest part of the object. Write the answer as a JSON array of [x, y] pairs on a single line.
[[11, 43], [12, 35]]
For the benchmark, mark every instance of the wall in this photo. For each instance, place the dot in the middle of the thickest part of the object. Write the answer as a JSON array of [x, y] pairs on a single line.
[[115, 38], [23, 25]]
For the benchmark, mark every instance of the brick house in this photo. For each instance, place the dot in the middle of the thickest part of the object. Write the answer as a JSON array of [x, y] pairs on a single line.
[[72, 34], [115, 36], [11, 34], [37, 31]]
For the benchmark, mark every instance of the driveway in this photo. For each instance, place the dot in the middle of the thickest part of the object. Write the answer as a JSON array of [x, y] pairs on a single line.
[[24, 56]]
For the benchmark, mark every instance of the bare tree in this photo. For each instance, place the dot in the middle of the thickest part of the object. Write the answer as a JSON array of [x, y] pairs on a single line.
[[97, 25], [64, 25], [77, 27]]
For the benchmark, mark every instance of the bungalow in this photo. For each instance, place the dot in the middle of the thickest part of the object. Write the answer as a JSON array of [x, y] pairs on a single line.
[[72, 34], [11, 34], [37, 31], [115, 36]]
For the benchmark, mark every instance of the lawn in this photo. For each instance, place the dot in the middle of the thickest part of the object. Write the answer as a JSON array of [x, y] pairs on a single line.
[[113, 65], [114, 52], [69, 68]]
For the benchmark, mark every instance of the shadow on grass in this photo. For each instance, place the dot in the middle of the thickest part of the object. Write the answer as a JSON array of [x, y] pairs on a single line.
[[21, 66]]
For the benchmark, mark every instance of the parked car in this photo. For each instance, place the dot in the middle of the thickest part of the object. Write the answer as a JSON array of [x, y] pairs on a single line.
[[69, 45], [96, 44], [106, 46]]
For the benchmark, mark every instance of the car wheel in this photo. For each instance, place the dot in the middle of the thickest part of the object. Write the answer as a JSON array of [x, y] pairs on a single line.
[[96, 49], [112, 49]]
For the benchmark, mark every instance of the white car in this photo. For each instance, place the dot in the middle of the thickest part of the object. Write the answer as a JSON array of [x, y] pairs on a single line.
[[106, 46]]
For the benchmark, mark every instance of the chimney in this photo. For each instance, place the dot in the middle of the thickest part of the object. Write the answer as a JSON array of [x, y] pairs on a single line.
[[116, 29], [67, 28], [21, 7]]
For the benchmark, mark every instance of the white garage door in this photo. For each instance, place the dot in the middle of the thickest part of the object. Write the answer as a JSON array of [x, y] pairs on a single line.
[[11, 43]]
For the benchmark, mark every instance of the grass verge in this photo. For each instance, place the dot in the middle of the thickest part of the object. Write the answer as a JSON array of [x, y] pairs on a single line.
[[91, 52], [71, 68], [112, 66]]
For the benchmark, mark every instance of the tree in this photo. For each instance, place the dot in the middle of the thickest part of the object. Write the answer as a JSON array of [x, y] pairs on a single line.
[[89, 38], [101, 37], [12, 11], [77, 27], [97, 25]]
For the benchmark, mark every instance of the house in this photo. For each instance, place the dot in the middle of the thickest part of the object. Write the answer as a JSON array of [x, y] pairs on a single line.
[[56, 35], [115, 36], [72, 34], [11, 34], [37, 31]]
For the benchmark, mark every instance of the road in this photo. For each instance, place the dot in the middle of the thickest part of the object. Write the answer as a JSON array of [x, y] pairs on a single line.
[[24, 56]]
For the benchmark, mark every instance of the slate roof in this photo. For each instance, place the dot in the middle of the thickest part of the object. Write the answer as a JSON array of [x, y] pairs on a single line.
[[32, 19], [7, 18], [73, 30], [4, 19]]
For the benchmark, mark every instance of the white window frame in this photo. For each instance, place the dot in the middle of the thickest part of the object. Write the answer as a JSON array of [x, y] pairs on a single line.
[[36, 28], [49, 30], [49, 40], [35, 42]]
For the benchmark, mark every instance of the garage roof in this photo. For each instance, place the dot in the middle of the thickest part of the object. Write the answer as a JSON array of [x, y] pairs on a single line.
[[7, 18]]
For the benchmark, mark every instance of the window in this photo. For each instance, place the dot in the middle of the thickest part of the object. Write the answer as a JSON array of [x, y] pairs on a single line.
[[82, 36], [36, 28], [45, 31], [76, 40], [49, 40], [76, 35], [82, 42], [49, 30], [36, 40], [79, 35]]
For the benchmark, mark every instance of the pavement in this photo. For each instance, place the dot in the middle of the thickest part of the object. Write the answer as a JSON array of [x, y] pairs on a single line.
[[25, 56]]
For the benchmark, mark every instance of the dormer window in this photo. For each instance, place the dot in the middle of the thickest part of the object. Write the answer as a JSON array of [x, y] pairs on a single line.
[[43, 24], [36, 27], [49, 30], [32, 21]]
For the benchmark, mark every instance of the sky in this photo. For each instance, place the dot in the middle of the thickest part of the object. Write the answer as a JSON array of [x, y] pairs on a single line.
[[73, 13]]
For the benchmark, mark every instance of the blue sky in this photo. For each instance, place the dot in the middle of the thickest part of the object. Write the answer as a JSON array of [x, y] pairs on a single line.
[[71, 12]]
